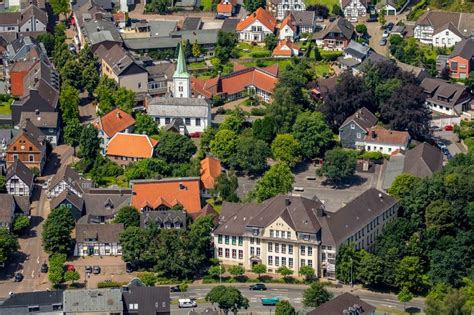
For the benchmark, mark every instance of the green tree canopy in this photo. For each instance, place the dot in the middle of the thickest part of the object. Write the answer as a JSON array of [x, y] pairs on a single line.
[[285, 148], [284, 271], [271, 41], [226, 42], [312, 132], [227, 299], [8, 245], [405, 296], [307, 271], [59, 6], [277, 180], [338, 165], [409, 274], [56, 268], [284, 308], [226, 186], [148, 278], [259, 269], [57, 230], [251, 155], [175, 148], [403, 185], [71, 276], [21, 223], [224, 146], [438, 215], [316, 295], [129, 216], [236, 270], [144, 124], [216, 271]]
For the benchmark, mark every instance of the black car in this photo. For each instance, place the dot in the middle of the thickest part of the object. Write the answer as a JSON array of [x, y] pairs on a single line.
[[96, 270], [44, 268], [175, 289], [258, 287], [18, 277], [88, 269], [129, 267], [389, 26]]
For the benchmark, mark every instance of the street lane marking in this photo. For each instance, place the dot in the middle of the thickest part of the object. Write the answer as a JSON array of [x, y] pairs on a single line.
[[38, 260], [33, 274]]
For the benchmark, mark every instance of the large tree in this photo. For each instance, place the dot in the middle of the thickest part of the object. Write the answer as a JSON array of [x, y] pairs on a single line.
[[226, 186], [313, 133], [59, 6], [175, 148], [224, 146], [277, 180], [251, 155], [135, 245], [227, 299], [8, 245], [57, 230], [253, 5], [226, 42], [338, 165], [284, 308], [128, 215], [409, 274], [285, 148], [403, 185], [316, 295], [145, 124]]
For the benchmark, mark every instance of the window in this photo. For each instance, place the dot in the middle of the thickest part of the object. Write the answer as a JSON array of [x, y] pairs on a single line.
[[290, 262], [252, 240], [167, 120], [187, 121], [198, 121], [133, 306], [180, 89], [358, 135], [241, 254], [303, 251], [241, 240], [288, 234], [277, 261], [234, 240], [310, 251], [226, 253], [302, 263], [226, 239], [283, 248], [277, 248], [234, 253], [31, 148], [270, 260], [257, 241], [277, 234], [139, 85], [283, 261], [219, 239], [353, 126], [258, 251], [270, 247], [157, 120], [219, 251], [35, 308], [272, 233], [310, 263], [252, 251], [31, 157], [290, 249]]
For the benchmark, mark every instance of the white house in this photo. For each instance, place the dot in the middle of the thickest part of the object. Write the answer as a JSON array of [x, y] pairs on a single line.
[[19, 179], [67, 179], [287, 28], [280, 8], [256, 26], [286, 49], [33, 19], [385, 141], [446, 36], [98, 239], [354, 9]]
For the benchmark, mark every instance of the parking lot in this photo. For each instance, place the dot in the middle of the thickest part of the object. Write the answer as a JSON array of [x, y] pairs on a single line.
[[111, 268]]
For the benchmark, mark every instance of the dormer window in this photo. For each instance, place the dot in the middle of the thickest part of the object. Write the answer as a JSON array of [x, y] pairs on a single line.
[[255, 232]]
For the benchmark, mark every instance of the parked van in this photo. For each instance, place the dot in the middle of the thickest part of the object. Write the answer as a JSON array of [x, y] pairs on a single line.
[[186, 303]]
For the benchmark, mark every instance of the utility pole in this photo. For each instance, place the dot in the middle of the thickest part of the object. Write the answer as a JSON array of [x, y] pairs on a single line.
[[220, 274], [351, 273]]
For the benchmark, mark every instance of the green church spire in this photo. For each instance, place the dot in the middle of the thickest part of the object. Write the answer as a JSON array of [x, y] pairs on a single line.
[[181, 70]]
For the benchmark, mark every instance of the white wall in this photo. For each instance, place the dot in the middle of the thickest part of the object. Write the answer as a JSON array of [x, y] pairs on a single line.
[[383, 148], [33, 25], [445, 38], [192, 127]]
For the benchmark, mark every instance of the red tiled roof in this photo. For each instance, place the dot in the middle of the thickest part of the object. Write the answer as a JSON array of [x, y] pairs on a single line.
[[288, 21], [285, 48], [384, 136], [224, 8], [114, 121], [131, 145], [168, 192], [210, 170], [260, 15]]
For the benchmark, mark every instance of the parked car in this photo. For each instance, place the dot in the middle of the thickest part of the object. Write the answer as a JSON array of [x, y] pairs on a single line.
[[175, 289], [258, 287], [448, 128], [18, 277], [70, 268], [270, 301], [186, 303], [383, 41], [129, 267], [389, 26], [88, 269], [385, 34], [435, 128], [96, 270], [44, 268]]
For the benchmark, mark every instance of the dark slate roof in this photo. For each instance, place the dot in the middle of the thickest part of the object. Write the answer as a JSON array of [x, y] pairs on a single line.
[[33, 298], [23, 204], [371, 59], [6, 202], [151, 300], [230, 25], [363, 117], [465, 49], [191, 23], [22, 171], [303, 18], [106, 202], [357, 50], [340, 25], [423, 160], [298, 212], [104, 233], [116, 57], [455, 93], [162, 217], [74, 199], [41, 119], [70, 176], [341, 303], [354, 215]]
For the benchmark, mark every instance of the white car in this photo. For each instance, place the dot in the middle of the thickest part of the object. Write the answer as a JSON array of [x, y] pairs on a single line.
[[385, 34], [186, 303]]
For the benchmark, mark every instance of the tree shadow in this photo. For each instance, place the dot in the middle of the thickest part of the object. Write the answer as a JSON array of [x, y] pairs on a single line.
[[15, 265], [52, 164], [301, 167], [351, 181], [265, 278], [413, 310], [242, 278]]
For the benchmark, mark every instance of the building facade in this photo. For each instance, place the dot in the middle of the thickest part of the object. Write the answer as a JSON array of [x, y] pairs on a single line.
[[354, 9], [256, 26]]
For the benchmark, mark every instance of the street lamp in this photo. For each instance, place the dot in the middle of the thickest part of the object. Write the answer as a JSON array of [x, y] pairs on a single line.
[[220, 274], [351, 273]]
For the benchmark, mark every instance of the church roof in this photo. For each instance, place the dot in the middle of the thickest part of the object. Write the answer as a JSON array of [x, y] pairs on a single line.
[[181, 71]]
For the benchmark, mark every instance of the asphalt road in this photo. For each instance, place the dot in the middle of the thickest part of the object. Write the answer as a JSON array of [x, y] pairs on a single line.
[[292, 293]]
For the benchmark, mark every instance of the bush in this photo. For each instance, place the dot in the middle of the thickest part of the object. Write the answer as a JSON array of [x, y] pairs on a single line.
[[330, 55], [470, 144], [261, 54], [110, 284], [258, 111], [371, 155]]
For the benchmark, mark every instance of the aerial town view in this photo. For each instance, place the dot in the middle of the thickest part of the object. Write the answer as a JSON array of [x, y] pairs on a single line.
[[215, 157]]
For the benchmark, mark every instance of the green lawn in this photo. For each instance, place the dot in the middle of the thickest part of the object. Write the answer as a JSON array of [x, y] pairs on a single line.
[[247, 51], [268, 62], [322, 69], [5, 107], [197, 65], [206, 5], [328, 3]]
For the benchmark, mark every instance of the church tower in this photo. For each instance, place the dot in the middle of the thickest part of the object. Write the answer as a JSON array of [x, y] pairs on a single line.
[[181, 77]]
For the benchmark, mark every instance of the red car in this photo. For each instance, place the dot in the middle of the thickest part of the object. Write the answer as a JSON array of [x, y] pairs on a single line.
[[448, 128], [70, 268]]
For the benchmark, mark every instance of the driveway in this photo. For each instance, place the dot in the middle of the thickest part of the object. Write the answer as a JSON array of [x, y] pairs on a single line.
[[375, 32], [112, 268], [450, 139], [87, 110]]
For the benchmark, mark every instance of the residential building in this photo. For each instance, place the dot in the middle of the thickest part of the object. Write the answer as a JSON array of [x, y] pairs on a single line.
[[421, 161], [336, 36], [66, 178], [280, 8], [354, 9], [164, 219], [282, 231], [389, 6], [37, 302], [461, 60], [27, 20], [345, 303], [9, 22], [126, 148], [71, 201], [28, 146], [98, 239], [164, 194], [111, 123], [211, 169], [382, 140], [443, 29], [446, 98], [359, 222], [297, 23], [102, 204], [244, 80], [7, 212], [93, 301], [256, 26], [22, 205], [19, 179], [354, 55], [99, 28], [118, 65], [287, 30], [47, 122], [286, 49], [226, 8], [356, 127], [160, 76], [139, 299]]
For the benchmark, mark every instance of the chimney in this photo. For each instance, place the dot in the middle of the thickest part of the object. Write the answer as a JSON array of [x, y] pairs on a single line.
[[37, 112], [287, 202], [373, 134], [380, 196], [320, 212], [118, 114]]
